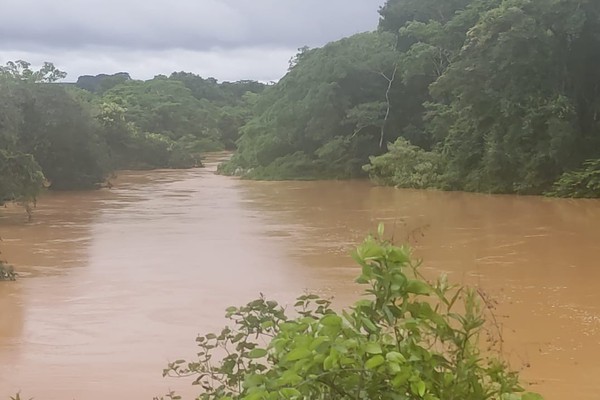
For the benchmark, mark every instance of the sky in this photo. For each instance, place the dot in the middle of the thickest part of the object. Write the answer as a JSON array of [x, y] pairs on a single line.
[[225, 39]]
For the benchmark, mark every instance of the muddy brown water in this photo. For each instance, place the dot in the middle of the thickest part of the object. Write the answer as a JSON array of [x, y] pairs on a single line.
[[116, 283]]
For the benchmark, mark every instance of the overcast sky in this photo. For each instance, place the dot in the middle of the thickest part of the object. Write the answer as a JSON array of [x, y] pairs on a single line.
[[225, 39]]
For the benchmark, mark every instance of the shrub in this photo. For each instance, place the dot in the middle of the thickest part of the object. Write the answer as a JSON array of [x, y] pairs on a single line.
[[410, 339], [584, 182], [407, 166]]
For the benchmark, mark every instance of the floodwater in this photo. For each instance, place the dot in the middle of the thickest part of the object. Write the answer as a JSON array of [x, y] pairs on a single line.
[[117, 282]]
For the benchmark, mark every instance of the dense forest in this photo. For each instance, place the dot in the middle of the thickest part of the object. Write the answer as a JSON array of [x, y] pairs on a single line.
[[477, 95], [73, 136]]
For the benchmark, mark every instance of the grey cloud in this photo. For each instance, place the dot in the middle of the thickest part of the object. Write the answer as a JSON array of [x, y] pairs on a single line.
[[226, 39], [186, 24]]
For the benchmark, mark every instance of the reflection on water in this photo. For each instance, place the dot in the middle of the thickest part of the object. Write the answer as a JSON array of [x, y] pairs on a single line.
[[117, 282]]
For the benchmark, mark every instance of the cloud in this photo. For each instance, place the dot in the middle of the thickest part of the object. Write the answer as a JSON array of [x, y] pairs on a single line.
[[221, 37]]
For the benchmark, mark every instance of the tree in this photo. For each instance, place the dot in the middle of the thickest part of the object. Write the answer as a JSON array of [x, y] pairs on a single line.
[[63, 137], [409, 339], [21, 178], [167, 107], [21, 70], [519, 114], [332, 96], [507, 90]]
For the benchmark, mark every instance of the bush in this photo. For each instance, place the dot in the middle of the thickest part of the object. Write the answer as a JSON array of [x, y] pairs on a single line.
[[584, 182], [296, 166], [410, 339], [407, 166]]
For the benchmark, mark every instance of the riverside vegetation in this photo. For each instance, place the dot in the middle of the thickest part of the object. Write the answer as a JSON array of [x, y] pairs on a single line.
[[495, 96], [481, 95], [73, 136], [408, 339]]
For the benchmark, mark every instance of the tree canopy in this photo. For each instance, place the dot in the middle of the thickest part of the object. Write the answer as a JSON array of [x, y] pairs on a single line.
[[495, 96], [502, 94], [72, 136]]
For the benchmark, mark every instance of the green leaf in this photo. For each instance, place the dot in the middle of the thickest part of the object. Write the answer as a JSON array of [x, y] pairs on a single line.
[[288, 393], [253, 380], [267, 324], [380, 229], [418, 388], [373, 348], [369, 324], [331, 320], [374, 362], [531, 396], [298, 354], [328, 363], [398, 256], [289, 377], [257, 353], [318, 342], [401, 378], [258, 395], [394, 356], [418, 287]]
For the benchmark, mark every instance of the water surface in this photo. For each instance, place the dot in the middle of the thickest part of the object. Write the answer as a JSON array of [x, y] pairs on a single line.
[[115, 283]]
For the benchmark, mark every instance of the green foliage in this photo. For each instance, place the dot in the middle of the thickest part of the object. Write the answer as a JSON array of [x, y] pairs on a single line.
[[406, 166], [75, 135], [129, 148], [331, 96], [187, 106], [101, 83], [21, 70], [46, 122], [62, 136], [584, 182], [166, 107], [503, 93], [21, 178], [407, 339], [513, 88]]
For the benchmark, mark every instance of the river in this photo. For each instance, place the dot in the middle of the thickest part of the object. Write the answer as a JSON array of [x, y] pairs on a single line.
[[117, 282]]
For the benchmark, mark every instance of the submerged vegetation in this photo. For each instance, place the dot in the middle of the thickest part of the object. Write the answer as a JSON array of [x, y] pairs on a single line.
[[7, 272], [407, 339]]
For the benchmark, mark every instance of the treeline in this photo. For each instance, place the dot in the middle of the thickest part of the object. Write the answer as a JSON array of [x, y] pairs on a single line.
[[72, 136], [499, 96]]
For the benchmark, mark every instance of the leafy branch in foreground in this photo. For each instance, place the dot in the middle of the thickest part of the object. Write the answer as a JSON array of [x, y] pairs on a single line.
[[410, 339]]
